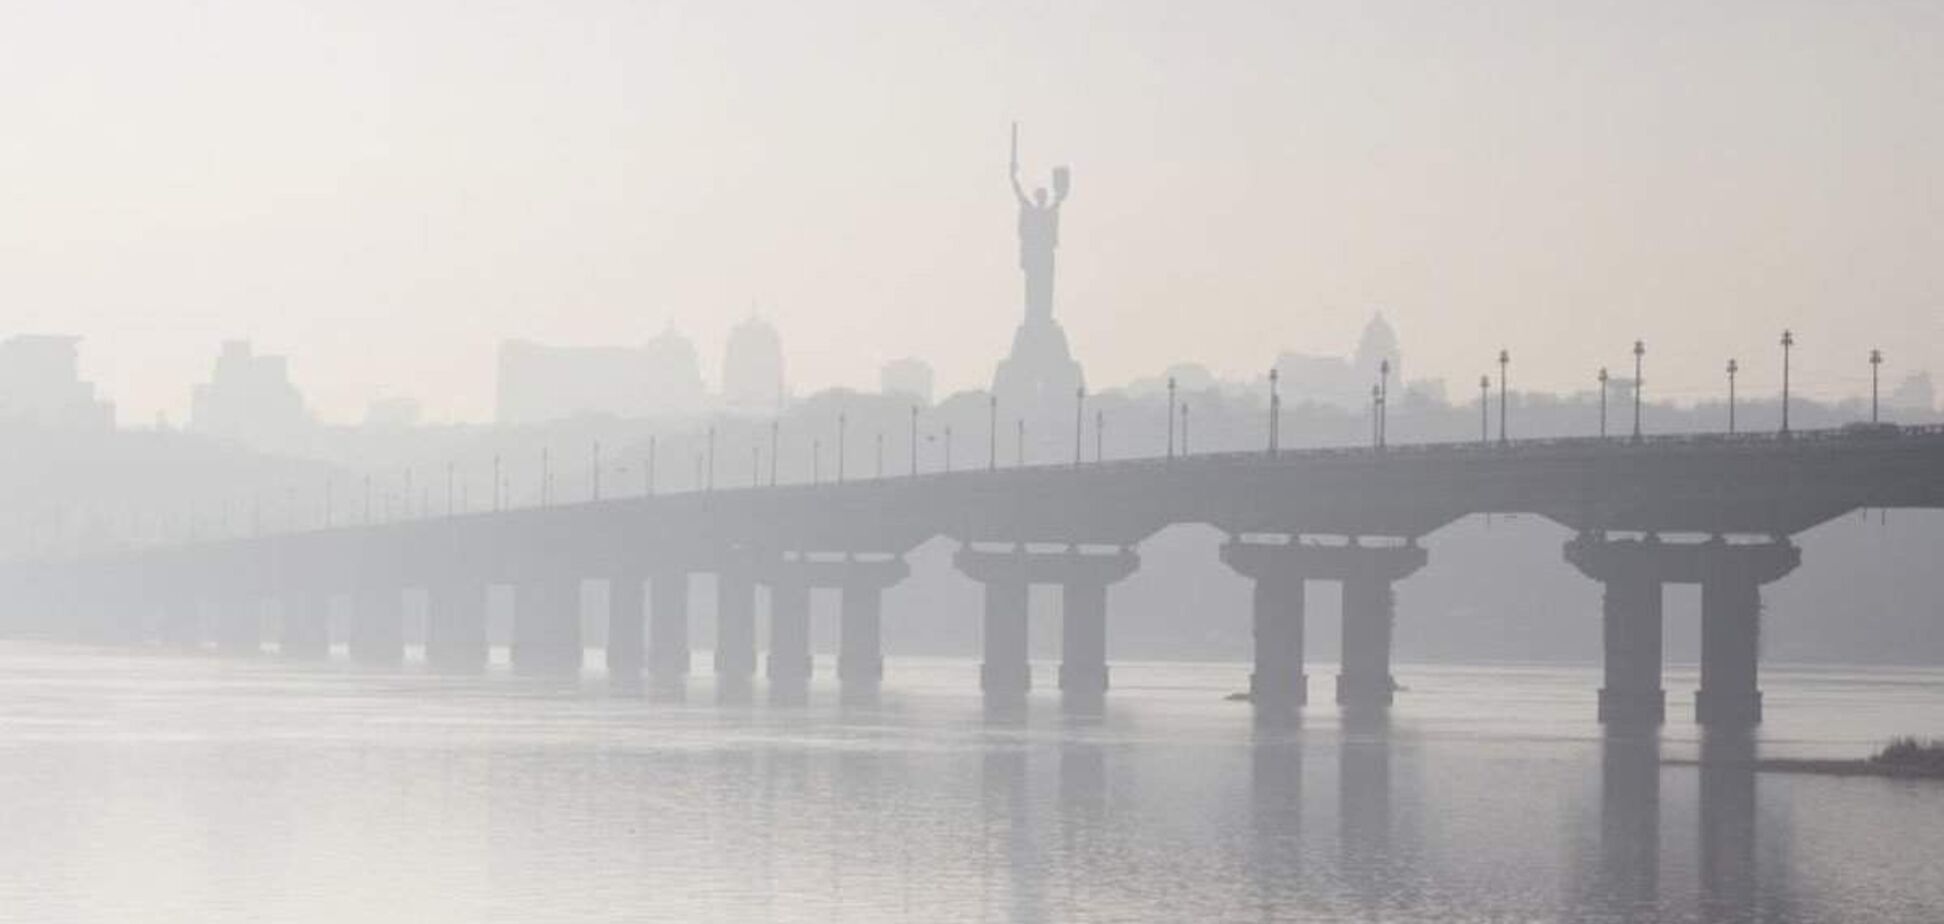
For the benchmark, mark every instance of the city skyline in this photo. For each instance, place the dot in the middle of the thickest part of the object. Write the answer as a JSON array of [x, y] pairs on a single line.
[[380, 231]]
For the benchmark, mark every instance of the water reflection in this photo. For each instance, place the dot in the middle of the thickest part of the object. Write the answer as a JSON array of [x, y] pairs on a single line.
[[1627, 881]]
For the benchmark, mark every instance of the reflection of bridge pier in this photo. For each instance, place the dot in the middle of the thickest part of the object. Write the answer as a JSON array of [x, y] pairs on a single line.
[[1730, 574], [1727, 817], [1628, 871], [1281, 572], [1083, 576]]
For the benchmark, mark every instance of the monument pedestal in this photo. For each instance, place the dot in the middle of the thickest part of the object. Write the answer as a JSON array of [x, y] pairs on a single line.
[[1040, 374]]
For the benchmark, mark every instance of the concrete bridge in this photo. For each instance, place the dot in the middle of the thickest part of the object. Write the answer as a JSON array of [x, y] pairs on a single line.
[[1717, 511]]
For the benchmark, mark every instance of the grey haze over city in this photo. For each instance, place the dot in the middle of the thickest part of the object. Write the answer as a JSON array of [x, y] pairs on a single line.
[[971, 462]]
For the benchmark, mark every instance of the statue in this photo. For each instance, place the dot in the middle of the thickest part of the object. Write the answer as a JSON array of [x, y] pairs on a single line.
[[1039, 377], [1039, 236]]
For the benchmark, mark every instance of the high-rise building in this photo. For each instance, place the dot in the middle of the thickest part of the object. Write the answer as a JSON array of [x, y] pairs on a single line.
[[752, 367], [40, 384], [911, 378], [249, 398], [538, 382]]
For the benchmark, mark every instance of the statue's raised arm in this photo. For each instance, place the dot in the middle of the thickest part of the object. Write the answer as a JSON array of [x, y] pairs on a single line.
[[1019, 194]]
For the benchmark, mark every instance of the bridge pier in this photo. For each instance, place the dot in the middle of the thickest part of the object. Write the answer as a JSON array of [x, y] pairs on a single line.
[[668, 629], [789, 663], [627, 626], [378, 626], [1730, 575], [547, 627], [735, 647], [1007, 576], [1278, 680], [1366, 573], [860, 632], [1631, 625], [455, 627], [1731, 610], [304, 625]]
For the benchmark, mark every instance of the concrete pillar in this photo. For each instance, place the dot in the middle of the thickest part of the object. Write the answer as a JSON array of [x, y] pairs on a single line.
[[378, 626], [627, 625], [1631, 627], [239, 624], [789, 651], [1277, 615], [547, 627], [735, 648], [860, 653], [1368, 611], [455, 627], [1083, 637], [668, 630], [1731, 609], [305, 629], [1007, 670]]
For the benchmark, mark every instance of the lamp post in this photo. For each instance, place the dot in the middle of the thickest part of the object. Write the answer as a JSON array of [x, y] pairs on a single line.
[[1275, 412], [1184, 429], [1079, 421], [1383, 403], [1505, 358], [948, 449], [1019, 461], [1876, 360], [992, 433], [1100, 437], [1788, 343], [1484, 409], [1376, 414], [1171, 413], [1639, 351], [1733, 368], [1603, 402]]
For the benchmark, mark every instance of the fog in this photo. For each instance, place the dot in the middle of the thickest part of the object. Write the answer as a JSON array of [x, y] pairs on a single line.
[[870, 461]]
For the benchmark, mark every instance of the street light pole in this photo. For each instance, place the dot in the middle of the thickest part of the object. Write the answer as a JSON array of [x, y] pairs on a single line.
[[1275, 413], [1171, 413], [1788, 343], [1876, 360], [1504, 359], [1184, 429], [1733, 368], [1383, 403], [1100, 437], [1376, 415], [1019, 461], [1639, 351], [1603, 402]]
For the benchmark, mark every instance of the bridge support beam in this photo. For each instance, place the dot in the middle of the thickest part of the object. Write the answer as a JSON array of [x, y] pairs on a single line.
[[547, 627], [789, 650], [627, 626], [860, 631], [1278, 681], [1083, 576], [1730, 575], [735, 647], [1631, 625], [668, 629], [378, 626], [304, 629], [455, 627]]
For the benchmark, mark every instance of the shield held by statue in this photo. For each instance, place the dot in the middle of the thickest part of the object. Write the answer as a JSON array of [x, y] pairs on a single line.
[[1062, 181]]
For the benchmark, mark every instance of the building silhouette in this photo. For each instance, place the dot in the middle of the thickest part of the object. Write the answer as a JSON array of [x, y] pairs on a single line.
[[539, 382], [752, 368], [908, 377], [40, 384], [249, 398]]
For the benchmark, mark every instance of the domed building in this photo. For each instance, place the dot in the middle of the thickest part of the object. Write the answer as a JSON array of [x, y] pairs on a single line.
[[752, 367], [1378, 343]]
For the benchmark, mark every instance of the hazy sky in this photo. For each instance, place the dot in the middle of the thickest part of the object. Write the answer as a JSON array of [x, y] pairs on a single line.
[[384, 190]]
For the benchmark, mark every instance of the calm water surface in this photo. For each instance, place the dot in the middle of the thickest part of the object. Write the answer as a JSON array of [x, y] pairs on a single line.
[[156, 787]]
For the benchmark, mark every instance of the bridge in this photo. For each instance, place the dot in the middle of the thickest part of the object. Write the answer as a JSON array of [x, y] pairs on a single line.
[[1713, 510]]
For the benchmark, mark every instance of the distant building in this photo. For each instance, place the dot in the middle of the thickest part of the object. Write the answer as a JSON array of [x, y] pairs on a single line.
[[539, 383], [752, 368], [392, 413], [911, 378], [1340, 381], [40, 383], [249, 398]]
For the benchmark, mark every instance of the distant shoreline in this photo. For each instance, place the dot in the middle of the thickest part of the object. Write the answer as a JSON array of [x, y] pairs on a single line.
[[1858, 767]]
